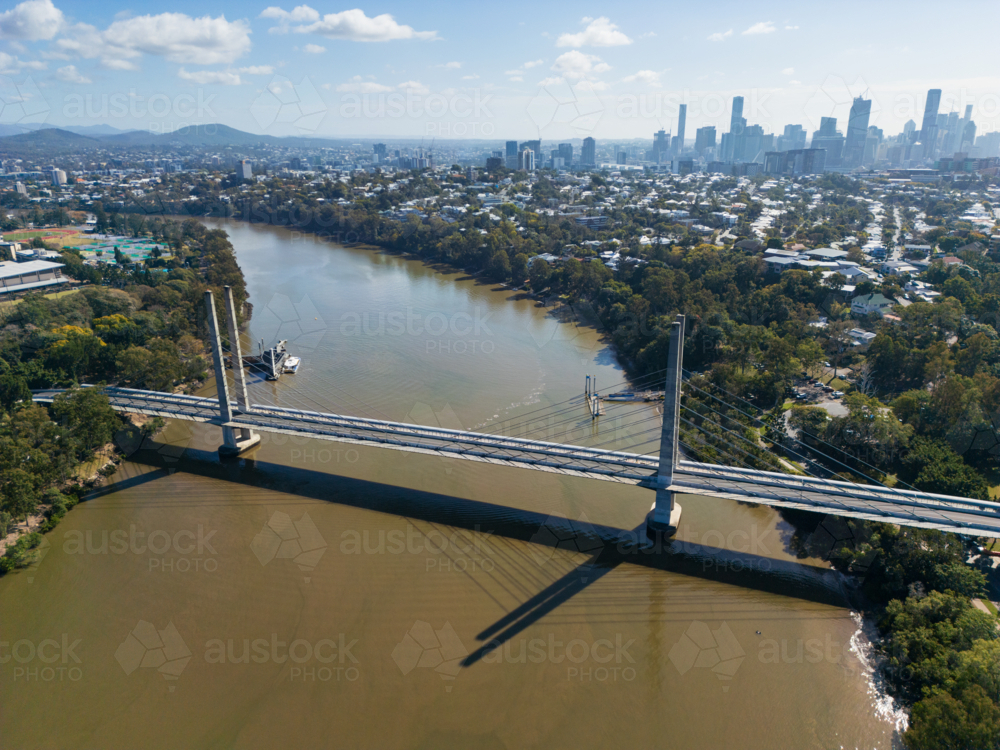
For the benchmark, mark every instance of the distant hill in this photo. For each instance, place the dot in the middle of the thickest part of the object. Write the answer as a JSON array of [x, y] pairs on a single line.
[[14, 137], [50, 137]]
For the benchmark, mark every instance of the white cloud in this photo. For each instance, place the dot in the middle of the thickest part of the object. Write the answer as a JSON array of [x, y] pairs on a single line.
[[31, 20], [788, 71], [11, 64], [719, 35], [352, 25], [177, 37], [207, 77], [315, 49], [414, 87], [600, 32], [532, 64], [761, 27], [576, 65], [649, 77], [71, 75], [553, 81], [257, 70], [516, 79], [358, 86], [452, 66], [470, 78], [112, 64], [791, 28]]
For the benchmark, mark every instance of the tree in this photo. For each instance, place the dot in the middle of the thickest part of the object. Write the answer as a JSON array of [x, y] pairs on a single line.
[[837, 341], [88, 414], [538, 275], [933, 466], [499, 266], [20, 496], [519, 268], [942, 722]]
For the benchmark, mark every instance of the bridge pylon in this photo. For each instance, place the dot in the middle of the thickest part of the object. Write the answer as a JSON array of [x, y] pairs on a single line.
[[665, 514], [234, 440]]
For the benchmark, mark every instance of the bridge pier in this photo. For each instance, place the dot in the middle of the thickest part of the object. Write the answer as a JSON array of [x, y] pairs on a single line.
[[665, 515], [234, 440]]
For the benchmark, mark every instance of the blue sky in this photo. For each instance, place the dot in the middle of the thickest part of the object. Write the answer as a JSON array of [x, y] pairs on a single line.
[[513, 70]]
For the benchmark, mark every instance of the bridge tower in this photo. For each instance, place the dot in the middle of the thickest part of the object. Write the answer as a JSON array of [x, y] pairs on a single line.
[[665, 514], [239, 439]]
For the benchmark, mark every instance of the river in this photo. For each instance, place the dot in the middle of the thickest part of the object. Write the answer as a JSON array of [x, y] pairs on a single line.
[[316, 594]]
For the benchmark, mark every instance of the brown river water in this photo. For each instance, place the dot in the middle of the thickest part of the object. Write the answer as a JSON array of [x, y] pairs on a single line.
[[322, 595]]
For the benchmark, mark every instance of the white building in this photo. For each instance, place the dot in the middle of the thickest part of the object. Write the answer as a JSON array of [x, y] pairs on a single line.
[[33, 274]]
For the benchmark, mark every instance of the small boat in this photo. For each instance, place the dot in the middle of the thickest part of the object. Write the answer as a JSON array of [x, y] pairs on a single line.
[[624, 396], [292, 364]]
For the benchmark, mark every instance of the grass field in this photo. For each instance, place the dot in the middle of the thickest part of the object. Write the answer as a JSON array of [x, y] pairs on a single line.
[[45, 234]]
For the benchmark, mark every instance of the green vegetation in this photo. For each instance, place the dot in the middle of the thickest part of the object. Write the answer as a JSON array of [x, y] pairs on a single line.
[[133, 329]]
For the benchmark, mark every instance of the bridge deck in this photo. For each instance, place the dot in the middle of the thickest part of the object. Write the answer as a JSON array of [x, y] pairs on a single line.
[[959, 515]]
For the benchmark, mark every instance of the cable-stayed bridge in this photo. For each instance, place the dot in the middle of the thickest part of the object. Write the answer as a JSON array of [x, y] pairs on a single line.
[[664, 471]]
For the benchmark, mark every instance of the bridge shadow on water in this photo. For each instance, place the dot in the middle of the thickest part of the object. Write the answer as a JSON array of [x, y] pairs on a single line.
[[609, 547]]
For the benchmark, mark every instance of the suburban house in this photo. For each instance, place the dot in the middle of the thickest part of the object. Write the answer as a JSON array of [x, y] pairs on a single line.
[[861, 337], [871, 303]]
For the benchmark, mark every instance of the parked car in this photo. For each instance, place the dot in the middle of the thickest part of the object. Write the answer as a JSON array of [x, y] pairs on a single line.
[[838, 394]]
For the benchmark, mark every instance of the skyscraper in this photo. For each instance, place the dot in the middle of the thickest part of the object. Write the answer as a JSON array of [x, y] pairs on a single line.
[[380, 152], [661, 145], [511, 154], [928, 130], [526, 159], [566, 153], [732, 142], [857, 132], [588, 156], [704, 139], [830, 139], [793, 139], [681, 122]]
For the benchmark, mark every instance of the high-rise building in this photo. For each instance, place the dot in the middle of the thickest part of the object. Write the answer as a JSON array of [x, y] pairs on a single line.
[[588, 154], [752, 146], [795, 162], [536, 147], [511, 154], [704, 139], [566, 153], [526, 159], [244, 170], [830, 139], [661, 145], [20, 188], [792, 139], [380, 152], [58, 177], [857, 132], [929, 128], [678, 144], [732, 142]]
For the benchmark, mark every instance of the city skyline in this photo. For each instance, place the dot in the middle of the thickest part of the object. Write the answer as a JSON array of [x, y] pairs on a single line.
[[398, 70]]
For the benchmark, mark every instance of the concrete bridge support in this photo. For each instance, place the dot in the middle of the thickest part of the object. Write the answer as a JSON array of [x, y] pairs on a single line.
[[234, 440], [665, 515]]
